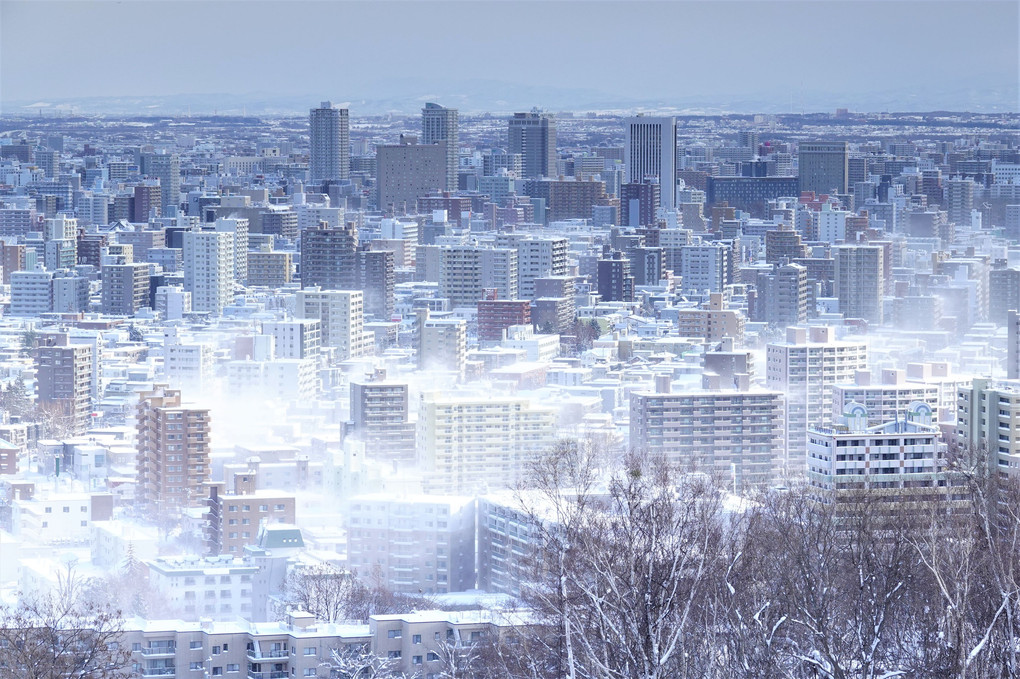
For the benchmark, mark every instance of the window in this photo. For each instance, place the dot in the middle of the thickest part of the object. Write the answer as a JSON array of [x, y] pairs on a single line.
[[263, 508], [67, 510], [49, 510], [195, 644], [393, 654], [416, 639], [233, 667], [278, 508], [416, 660], [231, 508], [136, 646], [196, 665], [84, 523], [433, 656], [310, 650], [393, 634], [217, 671], [215, 650], [309, 671]]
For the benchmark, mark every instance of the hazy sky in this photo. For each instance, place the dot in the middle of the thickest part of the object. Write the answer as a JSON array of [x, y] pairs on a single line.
[[633, 50]]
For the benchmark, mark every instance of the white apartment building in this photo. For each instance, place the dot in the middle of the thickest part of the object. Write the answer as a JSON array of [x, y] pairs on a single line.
[[805, 367], [703, 267], [173, 302], [219, 588], [831, 224], [209, 269], [31, 292], [467, 443], [885, 396], [59, 518], [988, 424], [420, 543], [734, 435], [287, 379], [342, 317], [300, 338], [898, 459], [238, 229]]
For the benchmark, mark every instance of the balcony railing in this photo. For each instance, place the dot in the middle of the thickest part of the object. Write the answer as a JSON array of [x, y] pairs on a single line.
[[256, 655], [267, 675], [159, 671], [159, 650]]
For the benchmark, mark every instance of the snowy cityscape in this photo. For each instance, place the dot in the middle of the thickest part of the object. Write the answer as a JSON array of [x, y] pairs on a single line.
[[438, 389]]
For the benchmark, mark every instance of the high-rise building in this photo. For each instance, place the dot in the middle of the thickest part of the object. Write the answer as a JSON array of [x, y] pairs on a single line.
[[860, 281], [172, 453], [705, 267], [166, 167], [442, 343], [823, 166], [639, 203], [125, 288], [377, 280], [330, 150], [533, 136], [64, 373], [613, 279], [439, 123], [342, 313], [209, 269], [429, 542], [1003, 294], [238, 229], [467, 271], [782, 296], [735, 434], [379, 417], [959, 199], [650, 152], [805, 367], [407, 171], [469, 443], [329, 257], [986, 425], [1013, 345]]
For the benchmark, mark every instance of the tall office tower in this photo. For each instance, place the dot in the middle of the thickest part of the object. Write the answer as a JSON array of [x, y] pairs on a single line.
[[166, 167], [125, 288], [729, 433], [209, 269], [407, 171], [860, 281], [805, 367], [782, 296], [238, 230], [650, 151], [474, 443], [330, 150], [376, 279], [1013, 345], [329, 257], [442, 343], [960, 200], [533, 136], [823, 166], [439, 123], [639, 203], [1003, 294], [342, 314], [379, 417], [64, 373], [172, 453], [986, 414]]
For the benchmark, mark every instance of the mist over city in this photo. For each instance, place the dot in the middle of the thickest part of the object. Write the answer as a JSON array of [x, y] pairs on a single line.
[[509, 339]]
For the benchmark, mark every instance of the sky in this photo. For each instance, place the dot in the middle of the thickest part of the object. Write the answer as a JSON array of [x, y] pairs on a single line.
[[898, 55]]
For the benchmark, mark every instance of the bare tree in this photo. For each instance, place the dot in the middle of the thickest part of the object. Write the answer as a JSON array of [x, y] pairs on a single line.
[[63, 635], [327, 592], [358, 661]]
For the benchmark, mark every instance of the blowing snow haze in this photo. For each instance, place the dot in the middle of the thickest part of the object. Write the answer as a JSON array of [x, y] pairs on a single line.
[[509, 340]]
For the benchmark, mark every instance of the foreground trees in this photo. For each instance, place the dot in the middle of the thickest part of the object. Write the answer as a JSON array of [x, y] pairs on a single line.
[[661, 574], [65, 635]]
